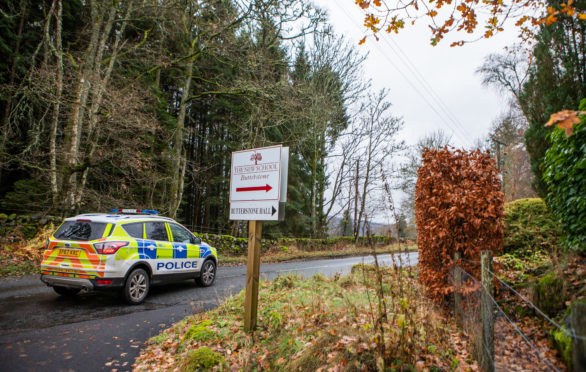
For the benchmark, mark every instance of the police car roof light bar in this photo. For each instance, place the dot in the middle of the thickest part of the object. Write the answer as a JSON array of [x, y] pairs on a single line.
[[134, 211]]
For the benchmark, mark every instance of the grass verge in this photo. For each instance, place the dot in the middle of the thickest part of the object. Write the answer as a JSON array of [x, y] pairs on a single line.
[[315, 325]]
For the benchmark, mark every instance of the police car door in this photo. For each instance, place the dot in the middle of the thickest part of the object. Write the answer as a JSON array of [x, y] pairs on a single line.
[[157, 248], [185, 249]]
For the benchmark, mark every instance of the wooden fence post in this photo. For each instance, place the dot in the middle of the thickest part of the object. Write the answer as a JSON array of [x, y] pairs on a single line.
[[578, 322], [252, 275], [457, 293], [487, 309]]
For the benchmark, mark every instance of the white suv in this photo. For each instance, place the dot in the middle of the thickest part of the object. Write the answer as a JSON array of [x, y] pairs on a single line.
[[125, 252]]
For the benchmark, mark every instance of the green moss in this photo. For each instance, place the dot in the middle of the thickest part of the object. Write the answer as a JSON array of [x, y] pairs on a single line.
[[563, 344], [549, 294], [548, 280], [200, 332], [203, 359], [284, 248]]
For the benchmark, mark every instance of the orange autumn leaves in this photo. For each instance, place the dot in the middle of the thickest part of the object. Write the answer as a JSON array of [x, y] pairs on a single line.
[[383, 15], [566, 8], [565, 119], [459, 207]]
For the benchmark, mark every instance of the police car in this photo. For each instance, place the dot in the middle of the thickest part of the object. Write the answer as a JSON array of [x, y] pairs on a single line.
[[128, 250]]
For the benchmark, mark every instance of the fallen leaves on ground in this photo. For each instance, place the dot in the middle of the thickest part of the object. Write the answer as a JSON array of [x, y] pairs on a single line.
[[325, 324]]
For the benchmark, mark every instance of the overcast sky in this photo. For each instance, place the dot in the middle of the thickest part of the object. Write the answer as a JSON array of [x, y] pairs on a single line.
[[417, 73]]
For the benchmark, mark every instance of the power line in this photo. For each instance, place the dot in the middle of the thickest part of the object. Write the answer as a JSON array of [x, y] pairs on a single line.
[[454, 129], [434, 95]]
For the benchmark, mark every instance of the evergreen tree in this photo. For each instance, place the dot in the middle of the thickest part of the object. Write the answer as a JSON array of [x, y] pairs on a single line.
[[557, 81]]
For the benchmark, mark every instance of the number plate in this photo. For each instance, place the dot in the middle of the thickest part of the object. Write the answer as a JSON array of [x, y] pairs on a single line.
[[69, 252]]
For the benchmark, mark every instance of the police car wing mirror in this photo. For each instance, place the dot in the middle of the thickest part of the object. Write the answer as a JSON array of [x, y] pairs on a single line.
[[196, 240]]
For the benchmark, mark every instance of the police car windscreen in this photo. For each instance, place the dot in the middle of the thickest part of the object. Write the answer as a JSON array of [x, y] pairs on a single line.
[[78, 230]]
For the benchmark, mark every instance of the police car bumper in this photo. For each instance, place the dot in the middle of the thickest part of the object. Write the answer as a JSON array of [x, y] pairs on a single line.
[[62, 281], [88, 284]]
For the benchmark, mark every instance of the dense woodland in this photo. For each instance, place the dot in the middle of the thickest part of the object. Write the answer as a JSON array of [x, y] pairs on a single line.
[[140, 103]]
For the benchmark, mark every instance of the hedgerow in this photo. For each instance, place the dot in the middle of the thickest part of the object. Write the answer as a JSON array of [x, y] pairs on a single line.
[[230, 245], [565, 175], [458, 208], [529, 226]]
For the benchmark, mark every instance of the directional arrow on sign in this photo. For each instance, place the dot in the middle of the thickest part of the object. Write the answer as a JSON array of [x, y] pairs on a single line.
[[254, 188]]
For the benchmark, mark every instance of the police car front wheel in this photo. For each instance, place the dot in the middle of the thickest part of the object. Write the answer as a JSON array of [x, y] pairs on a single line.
[[137, 287], [207, 274]]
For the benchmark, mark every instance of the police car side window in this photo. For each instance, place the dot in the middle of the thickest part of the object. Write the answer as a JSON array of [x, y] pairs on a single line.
[[180, 235], [134, 229], [156, 231]]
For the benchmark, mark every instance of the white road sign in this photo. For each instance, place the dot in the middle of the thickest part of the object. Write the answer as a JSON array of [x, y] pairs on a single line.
[[256, 174], [258, 182], [260, 210]]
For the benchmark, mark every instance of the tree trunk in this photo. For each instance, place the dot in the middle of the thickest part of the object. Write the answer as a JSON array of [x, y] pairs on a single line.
[[314, 194], [366, 179], [58, 50], [74, 127], [178, 140], [356, 226], [98, 90]]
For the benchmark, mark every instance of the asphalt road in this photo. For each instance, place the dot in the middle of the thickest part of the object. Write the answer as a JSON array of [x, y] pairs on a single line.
[[95, 331]]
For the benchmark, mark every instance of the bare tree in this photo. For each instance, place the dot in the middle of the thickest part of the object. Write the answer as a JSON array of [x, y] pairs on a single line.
[[506, 72], [408, 170], [508, 130], [377, 129]]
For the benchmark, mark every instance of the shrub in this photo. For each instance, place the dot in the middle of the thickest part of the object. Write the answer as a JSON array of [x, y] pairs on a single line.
[[203, 359], [458, 208], [529, 225], [565, 175]]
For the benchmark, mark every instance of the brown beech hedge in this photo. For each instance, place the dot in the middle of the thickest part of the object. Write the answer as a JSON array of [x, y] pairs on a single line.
[[458, 208]]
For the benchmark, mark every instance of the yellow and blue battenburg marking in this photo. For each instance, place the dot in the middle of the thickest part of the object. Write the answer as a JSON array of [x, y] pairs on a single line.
[[147, 249], [204, 251]]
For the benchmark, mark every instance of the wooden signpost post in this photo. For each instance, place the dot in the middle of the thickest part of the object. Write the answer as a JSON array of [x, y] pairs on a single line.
[[252, 275], [258, 192]]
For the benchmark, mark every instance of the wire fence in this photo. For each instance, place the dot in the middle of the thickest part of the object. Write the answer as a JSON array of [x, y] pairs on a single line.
[[510, 344]]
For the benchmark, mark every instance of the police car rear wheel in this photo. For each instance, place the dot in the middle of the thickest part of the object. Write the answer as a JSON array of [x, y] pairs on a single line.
[[66, 292], [207, 274], [137, 287]]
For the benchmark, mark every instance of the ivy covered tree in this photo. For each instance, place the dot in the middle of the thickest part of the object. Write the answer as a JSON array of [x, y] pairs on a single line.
[[564, 174]]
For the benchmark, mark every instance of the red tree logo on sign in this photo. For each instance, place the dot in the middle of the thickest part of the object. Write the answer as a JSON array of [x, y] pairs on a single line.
[[255, 158]]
